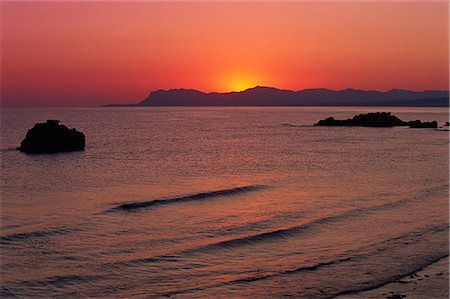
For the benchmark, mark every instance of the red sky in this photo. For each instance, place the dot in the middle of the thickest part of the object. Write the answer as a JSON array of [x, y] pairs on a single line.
[[93, 53]]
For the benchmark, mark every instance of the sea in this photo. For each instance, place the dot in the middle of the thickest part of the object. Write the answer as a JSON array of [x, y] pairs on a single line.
[[221, 202]]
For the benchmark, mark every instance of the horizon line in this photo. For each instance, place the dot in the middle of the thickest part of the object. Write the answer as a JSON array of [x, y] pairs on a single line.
[[241, 91]]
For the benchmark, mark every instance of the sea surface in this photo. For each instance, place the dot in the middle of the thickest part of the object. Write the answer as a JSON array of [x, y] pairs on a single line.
[[221, 203]]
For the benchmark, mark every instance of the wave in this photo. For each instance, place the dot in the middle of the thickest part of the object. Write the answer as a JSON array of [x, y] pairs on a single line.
[[9, 149], [290, 231], [269, 236], [295, 270], [310, 267], [274, 235], [33, 234], [61, 280], [352, 256], [193, 197], [26, 288], [425, 264], [293, 230], [358, 254]]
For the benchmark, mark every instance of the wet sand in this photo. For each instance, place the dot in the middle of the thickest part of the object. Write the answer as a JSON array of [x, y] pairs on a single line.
[[430, 282]]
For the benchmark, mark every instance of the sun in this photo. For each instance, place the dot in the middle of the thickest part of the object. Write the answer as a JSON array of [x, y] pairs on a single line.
[[240, 82]]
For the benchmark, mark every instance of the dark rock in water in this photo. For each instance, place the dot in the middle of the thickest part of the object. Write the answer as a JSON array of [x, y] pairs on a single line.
[[51, 137], [330, 121], [447, 123], [425, 124], [377, 119]]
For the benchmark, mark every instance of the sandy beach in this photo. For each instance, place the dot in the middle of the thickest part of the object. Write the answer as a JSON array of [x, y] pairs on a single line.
[[430, 282]]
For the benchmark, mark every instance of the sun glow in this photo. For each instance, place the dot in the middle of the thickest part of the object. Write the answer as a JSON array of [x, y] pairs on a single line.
[[240, 83]]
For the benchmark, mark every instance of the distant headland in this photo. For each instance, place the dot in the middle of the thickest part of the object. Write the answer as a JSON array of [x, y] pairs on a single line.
[[269, 96]]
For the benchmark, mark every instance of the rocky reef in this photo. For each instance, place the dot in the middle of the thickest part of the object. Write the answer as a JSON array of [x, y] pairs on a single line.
[[378, 119], [375, 119], [52, 137], [420, 124]]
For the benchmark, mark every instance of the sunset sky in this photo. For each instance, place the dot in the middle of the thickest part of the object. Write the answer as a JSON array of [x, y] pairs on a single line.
[[93, 53]]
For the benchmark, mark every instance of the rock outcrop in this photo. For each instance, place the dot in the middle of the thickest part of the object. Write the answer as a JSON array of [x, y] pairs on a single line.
[[51, 137], [375, 119], [420, 124]]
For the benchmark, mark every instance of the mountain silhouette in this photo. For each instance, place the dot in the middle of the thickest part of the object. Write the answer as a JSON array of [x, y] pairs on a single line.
[[269, 96]]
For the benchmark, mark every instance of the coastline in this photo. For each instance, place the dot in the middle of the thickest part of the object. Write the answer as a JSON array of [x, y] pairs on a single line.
[[429, 282]]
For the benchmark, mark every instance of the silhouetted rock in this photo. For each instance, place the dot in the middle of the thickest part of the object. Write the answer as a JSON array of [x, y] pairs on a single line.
[[377, 119], [51, 137], [447, 123], [420, 124], [331, 122]]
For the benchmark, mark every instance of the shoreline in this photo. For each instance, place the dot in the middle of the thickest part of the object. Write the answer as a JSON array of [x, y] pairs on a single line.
[[429, 282]]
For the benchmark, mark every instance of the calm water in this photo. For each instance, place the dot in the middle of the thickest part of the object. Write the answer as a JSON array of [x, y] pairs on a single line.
[[220, 202]]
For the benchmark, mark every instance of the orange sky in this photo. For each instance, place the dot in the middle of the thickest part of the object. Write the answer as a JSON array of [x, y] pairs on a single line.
[[93, 53]]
